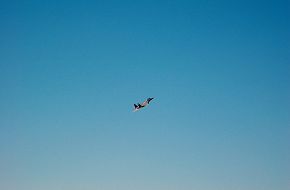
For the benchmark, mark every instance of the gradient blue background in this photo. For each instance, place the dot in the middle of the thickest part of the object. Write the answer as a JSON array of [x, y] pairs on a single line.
[[70, 72]]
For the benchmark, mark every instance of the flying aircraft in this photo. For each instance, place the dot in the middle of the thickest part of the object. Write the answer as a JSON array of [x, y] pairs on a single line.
[[145, 103]]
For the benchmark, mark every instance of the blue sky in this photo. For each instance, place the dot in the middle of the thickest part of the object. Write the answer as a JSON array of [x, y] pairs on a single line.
[[71, 71]]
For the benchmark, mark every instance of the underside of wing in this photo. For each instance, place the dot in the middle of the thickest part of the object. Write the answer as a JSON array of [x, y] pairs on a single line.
[[145, 103]]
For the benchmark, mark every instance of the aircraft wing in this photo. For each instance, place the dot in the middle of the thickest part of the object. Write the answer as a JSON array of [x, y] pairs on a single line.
[[145, 103]]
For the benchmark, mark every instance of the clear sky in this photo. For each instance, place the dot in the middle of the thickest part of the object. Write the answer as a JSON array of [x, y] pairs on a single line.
[[70, 72]]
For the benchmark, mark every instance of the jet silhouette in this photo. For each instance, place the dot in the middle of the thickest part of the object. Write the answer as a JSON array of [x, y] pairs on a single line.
[[145, 103]]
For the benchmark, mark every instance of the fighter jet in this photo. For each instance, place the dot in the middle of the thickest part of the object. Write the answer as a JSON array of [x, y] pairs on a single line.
[[139, 106]]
